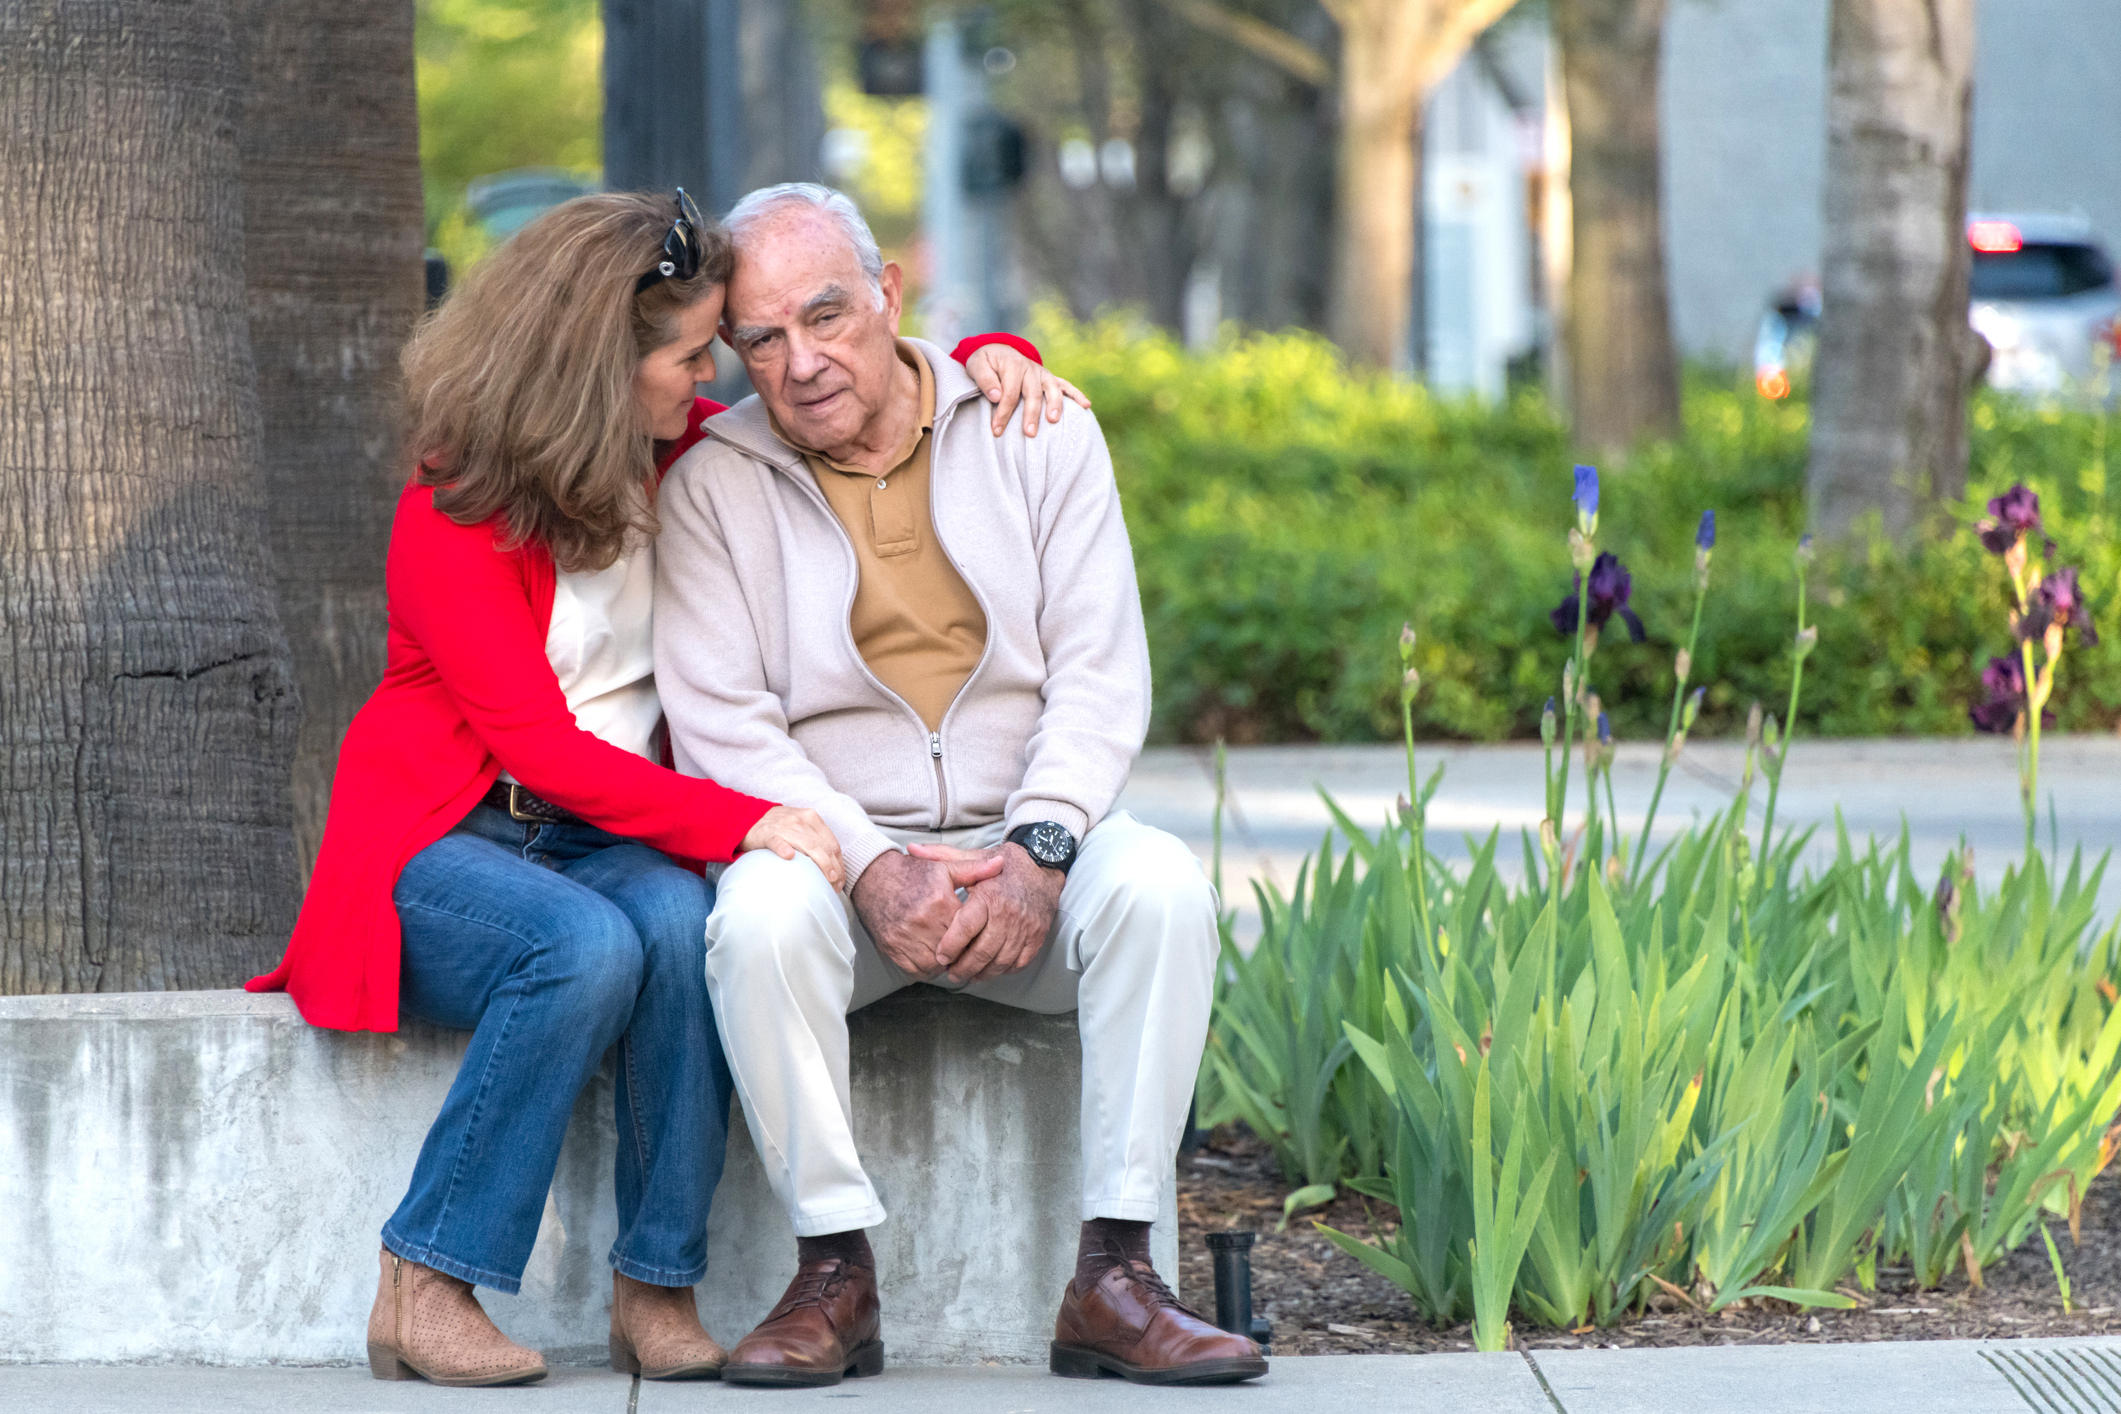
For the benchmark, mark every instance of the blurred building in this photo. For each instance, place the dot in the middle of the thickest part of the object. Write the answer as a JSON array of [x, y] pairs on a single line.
[[1745, 137], [1481, 303]]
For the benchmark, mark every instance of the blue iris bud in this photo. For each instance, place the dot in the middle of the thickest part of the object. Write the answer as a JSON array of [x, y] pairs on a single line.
[[1705, 538], [1586, 496], [1605, 730]]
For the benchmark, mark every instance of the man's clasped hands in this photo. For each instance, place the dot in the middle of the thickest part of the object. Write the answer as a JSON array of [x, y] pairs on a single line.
[[958, 914]]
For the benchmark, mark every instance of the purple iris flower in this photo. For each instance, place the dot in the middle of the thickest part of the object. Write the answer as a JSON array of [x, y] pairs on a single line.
[[1705, 538], [1586, 494], [2004, 679], [2013, 514], [2059, 600], [1610, 586]]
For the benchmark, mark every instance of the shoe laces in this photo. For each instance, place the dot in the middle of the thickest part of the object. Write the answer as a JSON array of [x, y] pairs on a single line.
[[1144, 1276], [814, 1285]]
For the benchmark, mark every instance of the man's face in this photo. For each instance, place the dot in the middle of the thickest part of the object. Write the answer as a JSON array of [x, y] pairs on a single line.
[[802, 317]]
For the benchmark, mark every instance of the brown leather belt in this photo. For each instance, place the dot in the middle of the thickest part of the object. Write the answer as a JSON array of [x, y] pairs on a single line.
[[531, 810]]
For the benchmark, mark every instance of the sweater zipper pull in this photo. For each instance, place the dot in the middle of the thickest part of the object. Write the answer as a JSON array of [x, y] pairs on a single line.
[[942, 787]]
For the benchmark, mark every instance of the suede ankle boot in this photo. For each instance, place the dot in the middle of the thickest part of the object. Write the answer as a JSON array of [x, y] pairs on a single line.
[[656, 1333], [427, 1325]]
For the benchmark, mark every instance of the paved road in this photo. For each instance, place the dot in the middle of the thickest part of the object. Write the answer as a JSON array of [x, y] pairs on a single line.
[[1942, 790], [1940, 1377]]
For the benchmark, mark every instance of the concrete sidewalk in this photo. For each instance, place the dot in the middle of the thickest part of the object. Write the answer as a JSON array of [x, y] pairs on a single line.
[[1943, 789], [1935, 1377]]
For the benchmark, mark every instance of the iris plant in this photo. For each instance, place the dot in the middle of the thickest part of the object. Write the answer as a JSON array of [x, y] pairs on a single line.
[[1778, 748], [1684, 708], [2049, 606], [1605, 594], [1417, 799]]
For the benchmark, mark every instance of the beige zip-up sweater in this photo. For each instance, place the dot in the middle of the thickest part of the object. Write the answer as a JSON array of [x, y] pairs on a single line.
[[757, 668]]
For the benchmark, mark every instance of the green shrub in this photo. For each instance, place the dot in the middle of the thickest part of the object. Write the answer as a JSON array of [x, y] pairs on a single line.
[[1284, 511]]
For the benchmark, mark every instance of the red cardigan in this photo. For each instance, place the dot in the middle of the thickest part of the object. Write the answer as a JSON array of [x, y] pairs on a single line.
[[466, 690]]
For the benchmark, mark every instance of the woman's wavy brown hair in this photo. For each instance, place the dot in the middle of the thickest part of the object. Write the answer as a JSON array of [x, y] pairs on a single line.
[[519, 389]]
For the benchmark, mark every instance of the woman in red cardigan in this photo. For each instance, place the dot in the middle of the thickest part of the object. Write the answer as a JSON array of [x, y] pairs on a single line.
[[499, 853]]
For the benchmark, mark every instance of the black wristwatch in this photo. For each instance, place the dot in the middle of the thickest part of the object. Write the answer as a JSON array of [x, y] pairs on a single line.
[[1047, 843]]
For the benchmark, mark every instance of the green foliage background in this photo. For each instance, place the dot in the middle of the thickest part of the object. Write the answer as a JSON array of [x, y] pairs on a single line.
[[1288, 516], [503, 84]]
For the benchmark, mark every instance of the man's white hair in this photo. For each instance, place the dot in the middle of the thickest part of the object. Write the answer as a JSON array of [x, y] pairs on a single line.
[[761, 204]]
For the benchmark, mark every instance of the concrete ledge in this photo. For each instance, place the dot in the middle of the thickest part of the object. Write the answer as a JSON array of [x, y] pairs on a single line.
[[200, 1176]]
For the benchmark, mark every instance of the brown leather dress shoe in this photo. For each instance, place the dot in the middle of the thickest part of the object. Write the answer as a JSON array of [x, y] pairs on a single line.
[[1131, 1325], [824, 1329]]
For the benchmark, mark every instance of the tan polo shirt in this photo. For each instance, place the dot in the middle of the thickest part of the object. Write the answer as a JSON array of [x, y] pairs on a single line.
[[915, 621]]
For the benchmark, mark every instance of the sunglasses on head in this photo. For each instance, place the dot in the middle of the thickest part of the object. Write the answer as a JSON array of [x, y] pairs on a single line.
[[681, 247]]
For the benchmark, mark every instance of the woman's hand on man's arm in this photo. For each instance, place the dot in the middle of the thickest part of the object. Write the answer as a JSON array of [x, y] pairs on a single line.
[[1007, 378], [789, 831]]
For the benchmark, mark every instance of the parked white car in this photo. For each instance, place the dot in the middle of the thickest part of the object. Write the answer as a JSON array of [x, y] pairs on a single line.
[[2044, 296]]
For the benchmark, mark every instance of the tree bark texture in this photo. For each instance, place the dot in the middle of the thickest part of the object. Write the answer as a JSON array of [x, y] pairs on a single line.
[[147, 703], [1623, 371], [1895, 353], [1392, 52], [333, 238]]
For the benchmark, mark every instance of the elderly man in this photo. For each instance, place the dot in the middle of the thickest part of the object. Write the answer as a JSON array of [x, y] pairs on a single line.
[[871, 606]]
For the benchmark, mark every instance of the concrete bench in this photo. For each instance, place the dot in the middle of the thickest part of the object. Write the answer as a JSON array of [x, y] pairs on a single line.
[[200, 1176]]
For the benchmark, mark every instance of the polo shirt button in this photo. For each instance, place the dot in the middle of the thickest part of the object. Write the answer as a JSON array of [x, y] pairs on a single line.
[[883, 486]]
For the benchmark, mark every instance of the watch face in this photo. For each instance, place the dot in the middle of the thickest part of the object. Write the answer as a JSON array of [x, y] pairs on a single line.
[[1049, 843]]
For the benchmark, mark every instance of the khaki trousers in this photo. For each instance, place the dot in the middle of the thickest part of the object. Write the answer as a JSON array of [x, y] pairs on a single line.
[[1132, 952]]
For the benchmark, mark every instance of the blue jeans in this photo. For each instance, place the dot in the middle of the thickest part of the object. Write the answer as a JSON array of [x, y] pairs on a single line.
[[551, 944]]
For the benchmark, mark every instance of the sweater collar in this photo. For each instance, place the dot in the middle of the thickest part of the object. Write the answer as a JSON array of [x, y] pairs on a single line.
[[749, 428]]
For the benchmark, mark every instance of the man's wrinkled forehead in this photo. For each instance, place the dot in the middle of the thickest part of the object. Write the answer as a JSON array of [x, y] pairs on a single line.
[[792, 263], [834, 298]]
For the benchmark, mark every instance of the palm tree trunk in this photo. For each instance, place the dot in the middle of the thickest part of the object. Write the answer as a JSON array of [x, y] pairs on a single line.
[[332, 221], [1623, 372], [1889, 435], [1375, 208], [148, 711], [1392, 53]]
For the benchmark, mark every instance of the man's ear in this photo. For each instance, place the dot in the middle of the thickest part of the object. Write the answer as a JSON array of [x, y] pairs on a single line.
[[894, 293]]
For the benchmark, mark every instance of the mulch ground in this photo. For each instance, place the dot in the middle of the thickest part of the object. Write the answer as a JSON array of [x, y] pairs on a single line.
[[1323, 1302]]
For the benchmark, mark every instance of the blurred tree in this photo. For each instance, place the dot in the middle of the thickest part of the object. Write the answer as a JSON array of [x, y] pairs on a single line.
[[1896, 356], [149, 714], [331, 219], [1392, 52], [1622, 373], [1103, 91]]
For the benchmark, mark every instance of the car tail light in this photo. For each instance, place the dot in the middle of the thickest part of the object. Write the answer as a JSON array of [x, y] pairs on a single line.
[[1994, 237], [1773, 383], [2109, 334]]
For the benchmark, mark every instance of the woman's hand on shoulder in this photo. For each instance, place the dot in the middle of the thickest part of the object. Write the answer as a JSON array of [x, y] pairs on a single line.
[[1008, 378], [789, 831]]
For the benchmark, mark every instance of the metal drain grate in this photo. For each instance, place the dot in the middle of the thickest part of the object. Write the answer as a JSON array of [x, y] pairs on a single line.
[[2062, 1379]]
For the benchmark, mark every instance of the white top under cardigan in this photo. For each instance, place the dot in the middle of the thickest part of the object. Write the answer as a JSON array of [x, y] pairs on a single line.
[[601, 647]]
